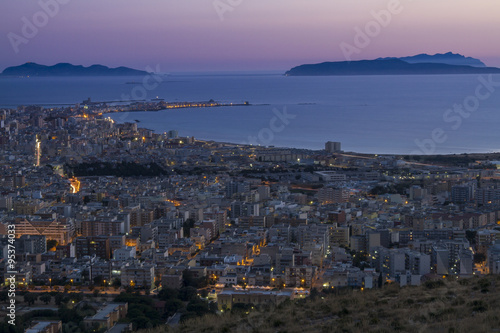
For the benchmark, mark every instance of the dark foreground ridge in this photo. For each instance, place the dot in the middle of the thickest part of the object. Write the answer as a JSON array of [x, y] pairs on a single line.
[[65, 69], [441, 305]]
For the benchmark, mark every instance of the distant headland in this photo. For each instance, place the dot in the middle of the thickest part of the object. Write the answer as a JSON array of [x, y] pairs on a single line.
[[422, 64], [66, 69]]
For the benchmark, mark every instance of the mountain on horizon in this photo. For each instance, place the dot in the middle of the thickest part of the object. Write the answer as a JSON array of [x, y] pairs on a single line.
[[66, 69], [449, 58], [421, 64]]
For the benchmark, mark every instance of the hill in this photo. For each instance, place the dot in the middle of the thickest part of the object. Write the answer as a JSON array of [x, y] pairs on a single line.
[[444, 305], [439, 58], [385, 67], [65, 69]]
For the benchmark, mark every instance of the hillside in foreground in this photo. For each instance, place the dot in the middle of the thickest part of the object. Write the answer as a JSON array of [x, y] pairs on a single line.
[[468, 305]]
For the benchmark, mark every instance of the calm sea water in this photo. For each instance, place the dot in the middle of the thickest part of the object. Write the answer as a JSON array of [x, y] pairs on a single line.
[[377, 114]]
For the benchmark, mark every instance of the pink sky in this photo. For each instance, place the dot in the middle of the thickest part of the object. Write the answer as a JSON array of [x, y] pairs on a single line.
[[188, 35]]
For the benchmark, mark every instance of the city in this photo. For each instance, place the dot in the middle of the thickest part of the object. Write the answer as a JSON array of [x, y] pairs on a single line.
[[249, 166], [108, 215]]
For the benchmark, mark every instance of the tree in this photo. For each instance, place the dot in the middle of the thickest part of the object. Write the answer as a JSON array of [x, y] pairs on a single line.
[[167, 294], [172, 305], [58, 299], [51, 243], [116, 283], [76, 297], [46, 298], [479, 258], [187, 293], [4, 296], [98, 280], [30, 298]]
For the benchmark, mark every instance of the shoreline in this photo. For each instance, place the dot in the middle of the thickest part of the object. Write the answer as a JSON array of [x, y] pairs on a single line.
[[156, 106], [476, 155]]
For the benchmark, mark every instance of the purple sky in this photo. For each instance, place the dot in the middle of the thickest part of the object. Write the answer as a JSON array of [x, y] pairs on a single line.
[[188, 35]]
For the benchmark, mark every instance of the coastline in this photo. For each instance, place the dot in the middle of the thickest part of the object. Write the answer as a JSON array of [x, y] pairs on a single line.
[[412, 158]]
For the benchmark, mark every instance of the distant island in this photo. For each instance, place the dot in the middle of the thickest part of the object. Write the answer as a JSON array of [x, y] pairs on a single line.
[[65, 69], [448, 63], [442, 58]]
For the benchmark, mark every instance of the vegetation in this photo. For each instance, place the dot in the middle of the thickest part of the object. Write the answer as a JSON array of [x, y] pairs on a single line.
[[71, 316], [445, 305], [399, 188], [141, 311]]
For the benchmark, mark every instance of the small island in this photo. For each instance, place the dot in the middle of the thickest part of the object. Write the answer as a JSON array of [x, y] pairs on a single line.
[[65, 69], [422, 64]]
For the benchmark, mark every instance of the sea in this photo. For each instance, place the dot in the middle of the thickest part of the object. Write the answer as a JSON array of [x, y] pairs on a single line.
[[417, 114]]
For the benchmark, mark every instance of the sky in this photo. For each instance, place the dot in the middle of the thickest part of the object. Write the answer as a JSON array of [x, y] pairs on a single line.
[[253, 35]]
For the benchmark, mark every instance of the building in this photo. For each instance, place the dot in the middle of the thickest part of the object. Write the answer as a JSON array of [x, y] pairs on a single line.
[[331, 176], [462, 193], [389, 262], [140, 217], [31, 244], [236, 187], [264, 192], [359, 243], [330, 195], [173, 134], [102, 269], [487, 196], [138, 275], [45, 327], [299, 276], [417, 263], [125, 253], [107, 316], [51, 229], [494, 259], [89, 246], [6, 203], [172, 280], [228, 297], [97, 228], [332, 147]]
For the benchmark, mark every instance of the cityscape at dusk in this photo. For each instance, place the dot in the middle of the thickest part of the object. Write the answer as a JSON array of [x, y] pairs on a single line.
[[249, 166]]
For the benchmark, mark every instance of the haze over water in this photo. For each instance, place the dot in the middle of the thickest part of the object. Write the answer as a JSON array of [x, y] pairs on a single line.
[[373, 114]]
